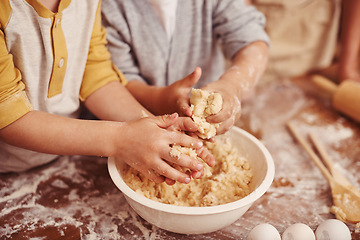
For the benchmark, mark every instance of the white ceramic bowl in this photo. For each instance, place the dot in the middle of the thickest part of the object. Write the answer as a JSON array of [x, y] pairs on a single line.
[[197, 220]]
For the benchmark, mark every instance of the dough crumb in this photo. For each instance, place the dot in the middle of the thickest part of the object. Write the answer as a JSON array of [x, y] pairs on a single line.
[[226, 182], [357, 227], [338, 212], [204, 104], [144, 114]]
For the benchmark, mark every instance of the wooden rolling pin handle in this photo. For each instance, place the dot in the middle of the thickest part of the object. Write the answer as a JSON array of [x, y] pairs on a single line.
[[325, 84], [345, 98]]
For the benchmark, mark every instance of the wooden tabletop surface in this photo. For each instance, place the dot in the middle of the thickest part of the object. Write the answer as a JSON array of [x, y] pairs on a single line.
[[75, 198]]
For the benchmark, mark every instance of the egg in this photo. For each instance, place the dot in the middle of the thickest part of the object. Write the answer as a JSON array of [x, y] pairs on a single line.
[[264, 231], [298, 231], [332, 229]]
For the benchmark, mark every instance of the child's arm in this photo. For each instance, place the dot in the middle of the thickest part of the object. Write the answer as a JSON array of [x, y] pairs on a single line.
[[43, 132], [113, 102], [109, 103], [144, 143], [164, 100], [101, 80], [107, 98], [247, 67]]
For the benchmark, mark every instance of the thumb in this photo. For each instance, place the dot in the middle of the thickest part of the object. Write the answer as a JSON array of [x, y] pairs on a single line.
[[166, 121], [191, 79]]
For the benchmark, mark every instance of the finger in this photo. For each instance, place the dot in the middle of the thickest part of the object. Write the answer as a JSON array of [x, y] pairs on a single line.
[[169, 181], [187, 83], [164, 169], [222, 116], [185, 161], [150, 174], [197, 174], [180, 138], [186, 124], [191, 79], [225, 126], [166, 120], [184, 106], [195, 135], [231, 108], [206, 156]]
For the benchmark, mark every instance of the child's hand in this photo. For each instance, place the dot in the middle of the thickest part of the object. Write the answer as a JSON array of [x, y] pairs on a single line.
[[231, 108], [175, 98], [186, 124], [247, 66], [207, 157], [149, 150]]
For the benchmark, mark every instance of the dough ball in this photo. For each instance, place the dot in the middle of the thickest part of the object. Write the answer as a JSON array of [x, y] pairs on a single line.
[[204, 104]]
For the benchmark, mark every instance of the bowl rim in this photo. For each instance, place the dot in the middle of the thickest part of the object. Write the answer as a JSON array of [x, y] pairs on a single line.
[[188, 210]]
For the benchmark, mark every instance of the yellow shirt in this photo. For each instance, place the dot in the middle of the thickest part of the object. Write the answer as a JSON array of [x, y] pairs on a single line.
[[48, 62]]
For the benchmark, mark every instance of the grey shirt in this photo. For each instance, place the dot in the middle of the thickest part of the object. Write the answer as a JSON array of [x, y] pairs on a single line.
[[205, 32]]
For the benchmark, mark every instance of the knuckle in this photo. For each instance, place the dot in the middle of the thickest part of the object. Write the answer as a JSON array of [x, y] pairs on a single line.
[[162, 171]]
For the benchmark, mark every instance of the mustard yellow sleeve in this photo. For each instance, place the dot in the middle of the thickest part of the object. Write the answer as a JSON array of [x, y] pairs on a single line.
[[99, 68], [14, 102]]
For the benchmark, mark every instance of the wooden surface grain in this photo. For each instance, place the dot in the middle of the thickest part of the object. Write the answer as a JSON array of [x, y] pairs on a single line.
[[76, 199]]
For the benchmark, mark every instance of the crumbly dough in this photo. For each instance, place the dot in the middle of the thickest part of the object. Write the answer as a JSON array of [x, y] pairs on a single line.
[[340, 199], [338, 212], [357, 227], [204, 104], [226, 182]]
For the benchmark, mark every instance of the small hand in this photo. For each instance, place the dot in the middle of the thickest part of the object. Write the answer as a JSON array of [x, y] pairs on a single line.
[[147, 148], [176, 96], [231, 110], [188, 125]]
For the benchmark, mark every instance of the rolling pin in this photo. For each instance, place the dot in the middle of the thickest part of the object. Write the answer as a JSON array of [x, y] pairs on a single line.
[[345, 97]]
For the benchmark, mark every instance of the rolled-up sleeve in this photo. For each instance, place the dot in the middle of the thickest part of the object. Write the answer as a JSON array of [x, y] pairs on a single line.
[[99, 68], [237, 24], [14, 102]]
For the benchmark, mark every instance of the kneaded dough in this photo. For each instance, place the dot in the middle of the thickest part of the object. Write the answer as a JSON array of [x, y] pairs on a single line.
[[204, 104], [226, 182]]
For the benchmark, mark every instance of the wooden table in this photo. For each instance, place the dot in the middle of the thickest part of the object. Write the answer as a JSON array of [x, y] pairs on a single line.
[[76, 199]]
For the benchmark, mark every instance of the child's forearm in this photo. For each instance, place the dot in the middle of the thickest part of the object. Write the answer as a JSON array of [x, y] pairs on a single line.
[[148, 96], [143, 144], [246, 68], [114, 102], [48, 133]]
